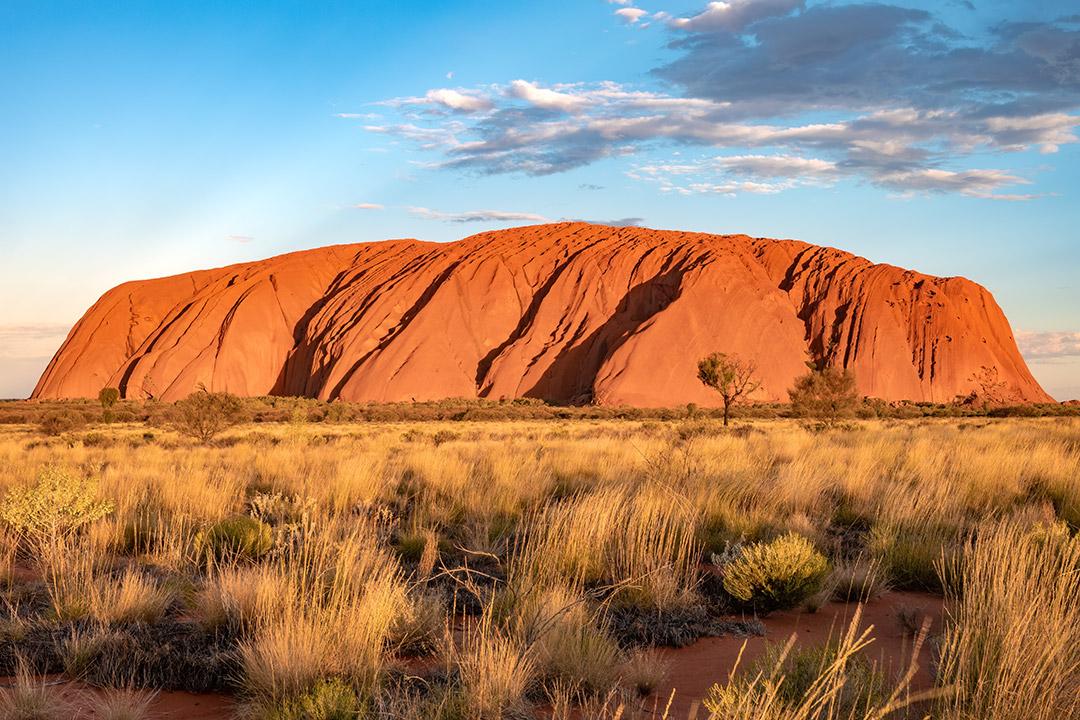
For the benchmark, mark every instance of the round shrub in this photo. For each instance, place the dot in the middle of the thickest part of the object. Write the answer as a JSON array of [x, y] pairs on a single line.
[[776, 575], [240, 536]]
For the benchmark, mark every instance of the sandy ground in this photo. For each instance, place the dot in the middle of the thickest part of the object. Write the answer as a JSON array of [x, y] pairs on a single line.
[[165, 706], [696, 667]]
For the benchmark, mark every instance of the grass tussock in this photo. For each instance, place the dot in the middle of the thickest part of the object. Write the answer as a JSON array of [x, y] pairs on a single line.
[[1012, 644], [31, 698]]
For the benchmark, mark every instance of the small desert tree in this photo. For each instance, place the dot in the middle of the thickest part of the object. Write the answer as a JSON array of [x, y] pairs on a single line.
[[203, 414], [730, 376], [108, 397], [827, 394]]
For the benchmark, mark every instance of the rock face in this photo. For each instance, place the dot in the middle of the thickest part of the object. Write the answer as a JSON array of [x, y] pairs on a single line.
[[571, 313]]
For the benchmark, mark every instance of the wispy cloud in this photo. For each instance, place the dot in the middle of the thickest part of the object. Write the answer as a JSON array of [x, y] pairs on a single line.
[[31, 341], [1041, 345], [620, 222], [368, 206], [476, 216], [242, 239]]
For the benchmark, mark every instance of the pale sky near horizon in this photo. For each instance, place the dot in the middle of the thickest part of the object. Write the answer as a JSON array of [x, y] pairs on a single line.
[[146, 139]]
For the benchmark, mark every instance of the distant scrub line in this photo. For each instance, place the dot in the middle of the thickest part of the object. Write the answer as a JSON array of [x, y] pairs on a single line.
[[469, 569], [56, 416]]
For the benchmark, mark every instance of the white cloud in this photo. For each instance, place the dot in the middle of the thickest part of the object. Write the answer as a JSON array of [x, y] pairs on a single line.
[[631, 14], [1048, 344], [476, 216], [735, 15], [1048, 130], [545, 98], [458, 100], [242, 239], [368, 206]]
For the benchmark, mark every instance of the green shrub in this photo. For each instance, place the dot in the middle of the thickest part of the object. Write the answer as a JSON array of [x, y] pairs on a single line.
[[327, 700], [910, 555], [237, 537], [776, 575], [57, 506]]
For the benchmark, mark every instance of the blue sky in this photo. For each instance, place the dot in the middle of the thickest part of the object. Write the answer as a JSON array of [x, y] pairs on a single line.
[[140, 139]]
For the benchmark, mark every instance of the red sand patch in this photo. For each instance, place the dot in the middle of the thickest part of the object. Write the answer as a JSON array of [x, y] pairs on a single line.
[[695, 668], [167, 705]]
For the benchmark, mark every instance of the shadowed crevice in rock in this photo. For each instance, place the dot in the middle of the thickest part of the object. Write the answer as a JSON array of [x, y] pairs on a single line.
[[571, 376]]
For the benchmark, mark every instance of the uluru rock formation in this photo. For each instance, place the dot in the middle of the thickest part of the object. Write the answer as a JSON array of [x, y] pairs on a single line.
[[570, 312]]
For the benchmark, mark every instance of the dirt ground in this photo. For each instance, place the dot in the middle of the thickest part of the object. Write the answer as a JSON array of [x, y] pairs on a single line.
[[696, 667]]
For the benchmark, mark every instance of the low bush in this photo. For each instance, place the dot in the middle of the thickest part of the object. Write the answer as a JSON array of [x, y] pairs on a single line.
[[239, 537], [326, 700], [59, 422], [54, 508], [776, 575], [204, 415]]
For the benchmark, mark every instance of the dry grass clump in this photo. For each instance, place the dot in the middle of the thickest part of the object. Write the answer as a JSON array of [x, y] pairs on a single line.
[[496, 669], [643, 671], [241, 598], [343, 599], [30, 698], [133, 597], [641, 542], [123, 704], [1012, 641], [858, 580]]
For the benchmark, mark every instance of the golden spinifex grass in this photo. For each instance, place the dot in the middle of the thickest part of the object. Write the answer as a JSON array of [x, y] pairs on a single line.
[[518, 553], [1012, 646]]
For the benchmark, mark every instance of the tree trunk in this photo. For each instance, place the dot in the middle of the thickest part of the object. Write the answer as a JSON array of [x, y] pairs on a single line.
[[727, 410]]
